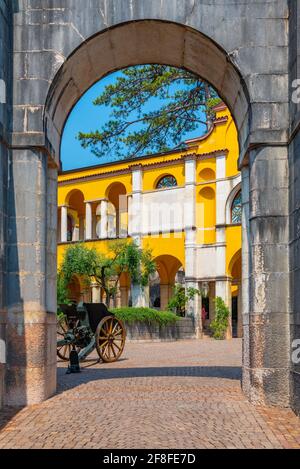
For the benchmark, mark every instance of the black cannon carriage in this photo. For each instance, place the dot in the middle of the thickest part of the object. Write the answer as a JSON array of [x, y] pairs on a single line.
[[87, 326]]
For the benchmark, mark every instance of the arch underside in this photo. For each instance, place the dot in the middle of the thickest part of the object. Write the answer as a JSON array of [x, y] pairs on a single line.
[[136, 43]]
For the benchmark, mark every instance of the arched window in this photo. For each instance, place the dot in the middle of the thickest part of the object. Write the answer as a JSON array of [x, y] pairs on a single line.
[[236, 209], [166, 181]]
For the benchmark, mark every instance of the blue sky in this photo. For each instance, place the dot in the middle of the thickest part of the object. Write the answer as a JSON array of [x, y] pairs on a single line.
[[87, 117]]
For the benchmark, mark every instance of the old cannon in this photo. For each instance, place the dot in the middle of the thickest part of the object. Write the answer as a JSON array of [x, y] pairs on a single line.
[[87, 326]]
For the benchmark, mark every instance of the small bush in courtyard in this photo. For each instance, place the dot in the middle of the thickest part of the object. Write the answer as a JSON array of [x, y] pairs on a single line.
[[148, 315], [180, 298], [220, 323]]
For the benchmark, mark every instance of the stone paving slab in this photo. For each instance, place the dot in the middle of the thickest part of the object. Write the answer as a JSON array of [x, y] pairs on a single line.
[[183, 394]]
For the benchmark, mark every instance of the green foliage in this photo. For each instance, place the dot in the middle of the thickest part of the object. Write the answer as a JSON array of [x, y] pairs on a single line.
[[220, 323], [180, 298], [62, 290], [105, 270], [185, 97], [147, 315]]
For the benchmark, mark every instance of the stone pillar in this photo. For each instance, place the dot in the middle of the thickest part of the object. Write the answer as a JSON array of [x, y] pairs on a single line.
[[164, 296], [124, 296], [51, 266], [103, 219], [64, 224], [88, 220], [223, 290], [239, 316], [266, 375], [193, 309], [31, 328], [96, 293], [118, 298], [129, 215]]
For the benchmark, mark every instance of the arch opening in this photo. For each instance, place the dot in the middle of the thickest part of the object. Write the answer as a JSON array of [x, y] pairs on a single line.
[[128, 44]]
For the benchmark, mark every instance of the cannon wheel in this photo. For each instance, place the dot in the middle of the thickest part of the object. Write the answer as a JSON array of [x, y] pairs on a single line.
[[110, 339], [63, 352]]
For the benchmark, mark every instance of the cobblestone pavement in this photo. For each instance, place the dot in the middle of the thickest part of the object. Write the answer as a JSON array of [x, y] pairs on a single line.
[[160, 395]]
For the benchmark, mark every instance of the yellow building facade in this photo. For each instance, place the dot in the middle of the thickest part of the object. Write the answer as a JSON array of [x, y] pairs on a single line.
[[184, 204]]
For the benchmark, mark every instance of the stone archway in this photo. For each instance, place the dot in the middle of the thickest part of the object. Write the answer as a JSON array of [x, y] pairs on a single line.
[[90, 44]]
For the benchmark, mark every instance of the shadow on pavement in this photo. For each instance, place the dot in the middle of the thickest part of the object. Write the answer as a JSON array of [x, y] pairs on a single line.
[[6, 414], [65, 382]]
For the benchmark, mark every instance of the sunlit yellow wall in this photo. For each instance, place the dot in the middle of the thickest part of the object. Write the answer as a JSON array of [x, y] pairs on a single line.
[[206, 214], [233, 241], [173, 245], [95, 189], [94, 183]]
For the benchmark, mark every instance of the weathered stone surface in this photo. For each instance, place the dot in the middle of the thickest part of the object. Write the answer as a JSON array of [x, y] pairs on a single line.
[[182, 329]]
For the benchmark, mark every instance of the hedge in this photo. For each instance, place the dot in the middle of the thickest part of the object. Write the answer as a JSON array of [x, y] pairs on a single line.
[[148, 315]]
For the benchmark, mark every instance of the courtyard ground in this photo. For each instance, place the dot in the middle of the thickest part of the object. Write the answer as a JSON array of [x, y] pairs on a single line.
[[183, 394]]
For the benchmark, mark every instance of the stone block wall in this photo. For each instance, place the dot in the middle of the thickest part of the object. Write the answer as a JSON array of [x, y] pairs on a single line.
[[5, 96], [294, 196], [182, 329]]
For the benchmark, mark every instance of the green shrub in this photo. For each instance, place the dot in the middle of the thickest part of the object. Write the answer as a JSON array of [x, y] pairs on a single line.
[[148, 315], [180, 298], [220, 323]]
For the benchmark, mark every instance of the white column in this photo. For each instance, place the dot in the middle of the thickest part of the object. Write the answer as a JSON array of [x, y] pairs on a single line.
[[190, 217], [103, 219], [194, 306], [136, 203], [129, 215], [96, 293], [64, 224], [88, 220], [221, 197], [140, 296]]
